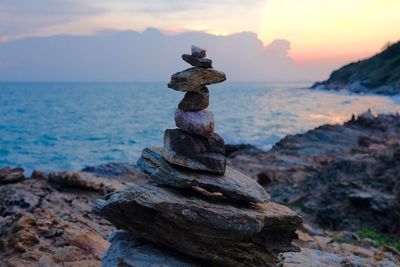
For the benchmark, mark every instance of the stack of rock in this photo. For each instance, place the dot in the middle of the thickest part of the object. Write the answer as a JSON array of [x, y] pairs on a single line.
[[195, 145], [193, 203]]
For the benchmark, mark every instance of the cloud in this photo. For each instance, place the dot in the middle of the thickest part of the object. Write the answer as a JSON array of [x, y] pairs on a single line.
[[147, 56], [27, 16], [41, 17]]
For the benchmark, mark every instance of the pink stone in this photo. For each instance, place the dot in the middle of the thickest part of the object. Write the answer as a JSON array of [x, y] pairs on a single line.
[[200, 122]]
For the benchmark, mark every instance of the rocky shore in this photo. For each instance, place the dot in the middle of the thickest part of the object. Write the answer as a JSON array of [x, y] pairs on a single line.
[[342, 179]]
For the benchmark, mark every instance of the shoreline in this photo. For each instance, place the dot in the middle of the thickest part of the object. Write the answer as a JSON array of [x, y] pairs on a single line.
[[57, 206]]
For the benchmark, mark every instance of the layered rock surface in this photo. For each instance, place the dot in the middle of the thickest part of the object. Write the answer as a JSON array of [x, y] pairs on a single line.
[[344, 177], [51, 224], [45, 223], [233, 185], [213, 231]]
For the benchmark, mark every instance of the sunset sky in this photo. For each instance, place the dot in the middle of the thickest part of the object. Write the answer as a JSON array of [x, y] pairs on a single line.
[[317, 29]]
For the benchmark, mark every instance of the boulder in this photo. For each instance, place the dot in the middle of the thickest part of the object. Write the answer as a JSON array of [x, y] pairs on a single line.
[[8, 175], [232, 186], [193, 79], [197, 62], [213, 231], [198, 52], [130, 251], [198, 123], [195, 101]]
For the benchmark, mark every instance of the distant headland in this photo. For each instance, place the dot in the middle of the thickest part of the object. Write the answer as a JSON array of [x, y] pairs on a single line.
[[379, 74]]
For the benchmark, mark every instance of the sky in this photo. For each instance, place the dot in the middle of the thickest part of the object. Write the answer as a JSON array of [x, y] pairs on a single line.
[[318, 31]]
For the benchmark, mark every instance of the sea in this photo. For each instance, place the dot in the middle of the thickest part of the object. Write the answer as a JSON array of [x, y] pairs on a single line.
[[67, 126]]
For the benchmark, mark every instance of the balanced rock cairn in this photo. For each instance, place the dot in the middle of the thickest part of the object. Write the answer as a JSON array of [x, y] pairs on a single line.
[[193, 204], [195, 145]]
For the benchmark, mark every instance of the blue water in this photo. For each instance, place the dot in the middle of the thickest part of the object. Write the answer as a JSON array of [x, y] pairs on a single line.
[[59, 126]]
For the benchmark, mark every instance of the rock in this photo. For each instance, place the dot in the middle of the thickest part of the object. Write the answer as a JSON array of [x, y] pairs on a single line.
[[312, 257], [210, 162], [198, 52], [197, 62], [126, 250], [241, 149], [8, 175], [234, 186], [216, 232], [38, 174], [190, 145], [194, 79], [199, 123], [125, 173], [195, 101], [337, 181], [42, 226], [85, 181]]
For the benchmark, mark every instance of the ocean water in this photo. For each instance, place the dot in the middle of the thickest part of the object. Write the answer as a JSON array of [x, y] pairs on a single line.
[[63, 126]]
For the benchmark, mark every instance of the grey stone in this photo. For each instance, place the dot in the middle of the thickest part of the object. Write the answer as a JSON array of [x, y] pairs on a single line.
[[233, 185], [194, 79], [129, 251], [217, 232], [197, 62], [191, 145], [198, 52], [210, 162], [198, 123], [195, 101]]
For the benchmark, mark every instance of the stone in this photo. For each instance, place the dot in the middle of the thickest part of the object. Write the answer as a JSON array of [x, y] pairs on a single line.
[[216, 232], [197, 62], [191, 145], [194, 79], [234, 186], [130, 251], [199, 123], [210, 162], [194, 152], [312, 257], [85, 181], [198, 52], [195, 101], [8, 175]]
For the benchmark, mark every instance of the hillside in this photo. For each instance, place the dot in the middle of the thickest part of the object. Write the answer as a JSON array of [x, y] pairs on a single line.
[[379, 74]]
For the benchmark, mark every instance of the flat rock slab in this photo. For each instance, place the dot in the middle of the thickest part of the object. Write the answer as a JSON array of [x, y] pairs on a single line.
[[219, 233], [193, 79], [210, 162], [195, 101], [129, 251], [198, 123], [233, 185], [197, 62]]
